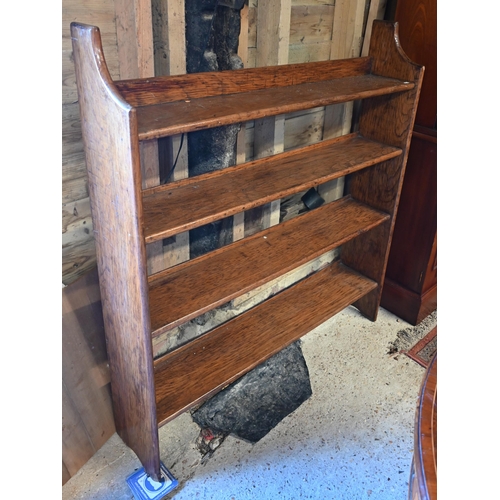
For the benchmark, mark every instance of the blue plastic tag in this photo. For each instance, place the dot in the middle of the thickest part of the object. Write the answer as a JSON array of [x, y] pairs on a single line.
[[144, 488]]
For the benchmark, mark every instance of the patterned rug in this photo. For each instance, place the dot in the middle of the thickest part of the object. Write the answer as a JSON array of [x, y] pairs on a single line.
[[417, 342]]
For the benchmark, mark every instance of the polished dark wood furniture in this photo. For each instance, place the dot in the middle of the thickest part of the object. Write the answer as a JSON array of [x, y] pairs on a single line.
[[423, 480], [410, 289], [117, 116]]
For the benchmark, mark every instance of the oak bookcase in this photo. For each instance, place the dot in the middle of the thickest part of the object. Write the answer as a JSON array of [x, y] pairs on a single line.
[[117, 115]]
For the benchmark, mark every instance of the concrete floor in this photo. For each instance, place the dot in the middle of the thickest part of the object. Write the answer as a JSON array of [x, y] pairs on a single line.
[[353, 439]]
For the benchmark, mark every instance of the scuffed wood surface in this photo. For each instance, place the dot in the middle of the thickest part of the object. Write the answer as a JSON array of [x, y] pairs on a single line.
[[192, 288], [87, 414], [117, 211], [197, 114], [187, 204], [242, 343]]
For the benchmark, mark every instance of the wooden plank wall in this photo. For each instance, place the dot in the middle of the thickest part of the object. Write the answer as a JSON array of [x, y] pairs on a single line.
[[318, 30], [87, 415], [168, 19], [143, 37], [78, 249]]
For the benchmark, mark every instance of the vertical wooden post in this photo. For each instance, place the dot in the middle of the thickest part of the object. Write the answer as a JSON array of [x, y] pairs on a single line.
[[109, 131], [273, 40], [239, 219], [347, 34], [134, 31], [169, 34], [388, 119], [346, 42], [377, 11]]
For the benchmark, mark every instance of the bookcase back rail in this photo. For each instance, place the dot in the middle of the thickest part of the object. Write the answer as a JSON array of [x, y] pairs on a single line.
[[143, 92]]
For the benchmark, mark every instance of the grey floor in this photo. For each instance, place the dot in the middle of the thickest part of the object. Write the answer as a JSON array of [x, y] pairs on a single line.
[[352, 439]]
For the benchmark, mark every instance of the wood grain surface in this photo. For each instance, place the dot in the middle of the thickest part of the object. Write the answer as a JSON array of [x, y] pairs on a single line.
[[416, 226], [112, 154], [159, 120], [199, 369], [176, 207], [164, 89], [388, 119], [115, 117], [417, 20], [273, 42], [186, 291], [87, 414], [410, 289], [78, 248], [425, 458]]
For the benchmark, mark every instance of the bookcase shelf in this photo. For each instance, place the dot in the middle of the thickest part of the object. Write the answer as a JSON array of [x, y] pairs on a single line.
[[159, 120], [117, 115], [241, 346], [178, 206], [232, 270]]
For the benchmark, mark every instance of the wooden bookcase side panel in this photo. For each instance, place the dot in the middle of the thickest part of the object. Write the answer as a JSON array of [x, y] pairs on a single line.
[[164, 89], [109, 130], [388, 119]]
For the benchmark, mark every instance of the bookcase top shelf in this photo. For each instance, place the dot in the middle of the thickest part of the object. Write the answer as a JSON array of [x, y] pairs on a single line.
[[170, 118]]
